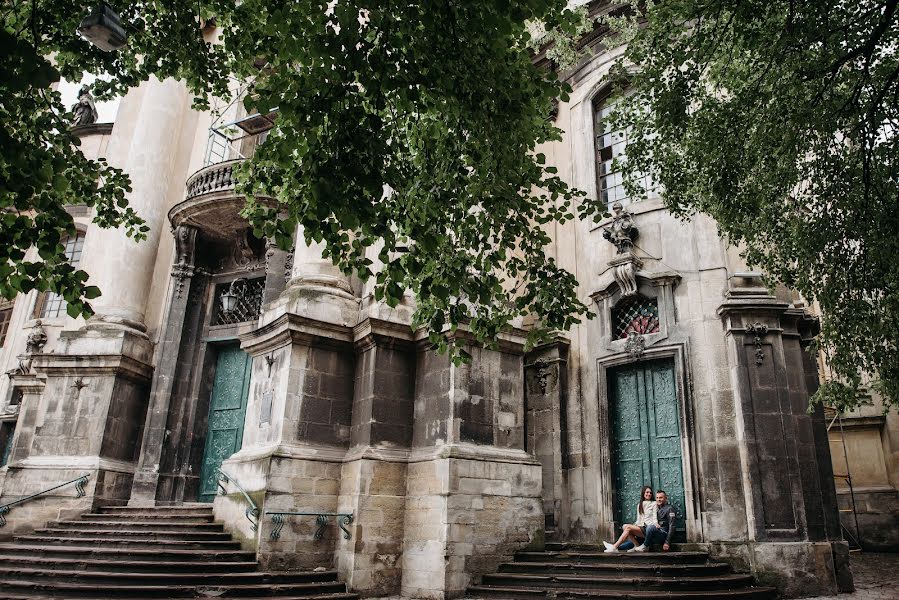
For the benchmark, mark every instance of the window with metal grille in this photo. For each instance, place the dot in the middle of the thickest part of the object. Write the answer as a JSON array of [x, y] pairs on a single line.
[[5, 316], [249, 293], [638, 314], [51, 304], [610, 144]]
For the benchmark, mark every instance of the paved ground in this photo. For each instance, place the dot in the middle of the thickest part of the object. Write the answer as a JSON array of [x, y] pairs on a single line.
[[876, 577]]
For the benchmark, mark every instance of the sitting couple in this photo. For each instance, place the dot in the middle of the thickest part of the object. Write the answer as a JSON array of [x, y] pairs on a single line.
[[655, 523]]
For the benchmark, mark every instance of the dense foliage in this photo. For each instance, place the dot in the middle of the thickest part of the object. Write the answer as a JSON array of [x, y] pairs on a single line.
[[408, 127], [779, 119]]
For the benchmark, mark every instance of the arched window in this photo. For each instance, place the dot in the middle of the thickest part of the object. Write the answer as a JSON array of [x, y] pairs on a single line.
[[610, 144], [51, 305], [636, 313]]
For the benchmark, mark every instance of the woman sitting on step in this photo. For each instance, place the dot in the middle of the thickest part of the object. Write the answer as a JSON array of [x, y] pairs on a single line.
[[634, 534]]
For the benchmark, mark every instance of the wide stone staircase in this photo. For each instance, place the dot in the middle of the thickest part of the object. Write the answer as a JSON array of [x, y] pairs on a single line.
[[164, 552], [584, 572]]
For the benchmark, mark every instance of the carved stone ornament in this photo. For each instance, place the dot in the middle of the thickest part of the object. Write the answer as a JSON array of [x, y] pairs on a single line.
[[759, 330], [185, 245], [621, 231], [543, 372], [288, 267], [635, 345], [34, 344], [84, 111]]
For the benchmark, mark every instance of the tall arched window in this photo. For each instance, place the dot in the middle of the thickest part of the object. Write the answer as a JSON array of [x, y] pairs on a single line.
[[50, 304], [610, 144]]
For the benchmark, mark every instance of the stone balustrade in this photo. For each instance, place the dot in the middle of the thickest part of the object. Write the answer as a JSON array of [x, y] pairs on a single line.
[[214, 178]]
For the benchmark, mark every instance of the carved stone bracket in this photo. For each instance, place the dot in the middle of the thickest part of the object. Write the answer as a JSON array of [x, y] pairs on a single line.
[[635, 345], [759, 330], [625, 272], [185, 246]]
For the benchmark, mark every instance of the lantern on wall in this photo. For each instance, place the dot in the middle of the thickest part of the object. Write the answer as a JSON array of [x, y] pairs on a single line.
[[229, 297], [103, 28]]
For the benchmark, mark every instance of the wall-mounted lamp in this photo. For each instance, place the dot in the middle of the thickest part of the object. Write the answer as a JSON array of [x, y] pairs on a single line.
[[229, 298], [103, 28]]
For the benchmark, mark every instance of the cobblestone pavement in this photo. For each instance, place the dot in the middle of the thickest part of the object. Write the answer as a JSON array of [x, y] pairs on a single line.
[[876, 577]]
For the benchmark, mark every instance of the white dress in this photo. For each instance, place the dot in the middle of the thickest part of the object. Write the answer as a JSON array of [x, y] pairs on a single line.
[[650, 508]]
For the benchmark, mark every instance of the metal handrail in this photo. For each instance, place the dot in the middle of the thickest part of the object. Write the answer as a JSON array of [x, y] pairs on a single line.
[[252, 512], [79, 490], [322, 518]]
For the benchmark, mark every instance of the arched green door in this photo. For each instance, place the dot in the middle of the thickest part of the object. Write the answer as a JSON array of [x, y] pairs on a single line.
[[646, 443], [227, 411]]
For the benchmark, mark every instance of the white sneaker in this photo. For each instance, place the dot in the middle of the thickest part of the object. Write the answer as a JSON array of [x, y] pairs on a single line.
[[641, 548], [607, 545], [611, 549]]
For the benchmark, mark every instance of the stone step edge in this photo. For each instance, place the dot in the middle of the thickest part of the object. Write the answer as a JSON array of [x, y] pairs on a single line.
[[142, 563], [95, 550], [632, 566], [106, 540], [323, 596], [5, 583], [623, 594], [664, 580], [331, 574], [64, 532]]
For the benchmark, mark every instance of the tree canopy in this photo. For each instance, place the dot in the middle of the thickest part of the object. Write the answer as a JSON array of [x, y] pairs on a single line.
[[410, 127], [780, 119]]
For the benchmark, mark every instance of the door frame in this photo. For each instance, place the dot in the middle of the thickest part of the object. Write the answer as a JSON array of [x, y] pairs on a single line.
[[678, 353]]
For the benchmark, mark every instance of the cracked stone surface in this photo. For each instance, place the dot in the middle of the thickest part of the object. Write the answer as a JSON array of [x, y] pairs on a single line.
[[875, 577]]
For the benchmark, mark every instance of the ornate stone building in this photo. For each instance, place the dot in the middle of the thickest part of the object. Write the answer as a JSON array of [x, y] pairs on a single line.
[[212, 352]]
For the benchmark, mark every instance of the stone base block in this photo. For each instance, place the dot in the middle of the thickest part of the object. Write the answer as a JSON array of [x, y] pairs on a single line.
[[466, 514], [103, 488], [796, 569], [374, 491], [280, 480], [877, 513]]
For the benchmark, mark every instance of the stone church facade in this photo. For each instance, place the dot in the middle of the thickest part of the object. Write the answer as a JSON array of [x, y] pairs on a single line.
[[215, 353]]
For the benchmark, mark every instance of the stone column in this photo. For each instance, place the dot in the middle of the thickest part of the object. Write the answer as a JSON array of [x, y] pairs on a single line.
[[146, 477], [120, 267], [317, 289]]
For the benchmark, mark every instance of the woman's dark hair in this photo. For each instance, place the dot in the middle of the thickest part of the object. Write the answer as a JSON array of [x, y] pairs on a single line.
[[640, 501]]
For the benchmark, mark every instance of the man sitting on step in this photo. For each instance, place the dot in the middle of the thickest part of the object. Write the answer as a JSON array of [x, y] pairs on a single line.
[[662, 532]]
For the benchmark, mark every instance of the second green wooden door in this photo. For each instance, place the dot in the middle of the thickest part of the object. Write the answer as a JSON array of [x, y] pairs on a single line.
[[646, 442], [227, 411]]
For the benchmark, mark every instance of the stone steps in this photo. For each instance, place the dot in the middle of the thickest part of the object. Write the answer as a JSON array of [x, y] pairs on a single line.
[[582, 571], [143, 553]]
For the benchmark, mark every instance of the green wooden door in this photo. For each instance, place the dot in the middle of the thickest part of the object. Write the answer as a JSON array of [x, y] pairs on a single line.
[[646, 444], [227, 410]]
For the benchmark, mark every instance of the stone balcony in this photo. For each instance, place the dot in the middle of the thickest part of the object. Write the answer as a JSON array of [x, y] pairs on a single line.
[[211, 202]]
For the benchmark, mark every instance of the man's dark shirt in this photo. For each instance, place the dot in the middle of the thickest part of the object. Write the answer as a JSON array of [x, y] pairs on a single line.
[[667, 517]]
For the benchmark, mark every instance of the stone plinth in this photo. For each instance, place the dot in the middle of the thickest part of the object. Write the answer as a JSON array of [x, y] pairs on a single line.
[[86, 420]]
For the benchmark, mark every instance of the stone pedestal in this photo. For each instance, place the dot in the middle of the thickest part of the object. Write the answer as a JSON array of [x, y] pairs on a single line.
[[791, 541], [87, 419]]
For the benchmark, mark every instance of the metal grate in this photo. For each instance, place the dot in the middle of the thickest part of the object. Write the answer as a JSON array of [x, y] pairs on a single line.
[[249, 301], [638, 314]]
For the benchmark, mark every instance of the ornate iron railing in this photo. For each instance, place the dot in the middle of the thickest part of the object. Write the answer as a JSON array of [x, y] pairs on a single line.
[[252, 511], [79, 491], [214, 178], [321, 518]]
